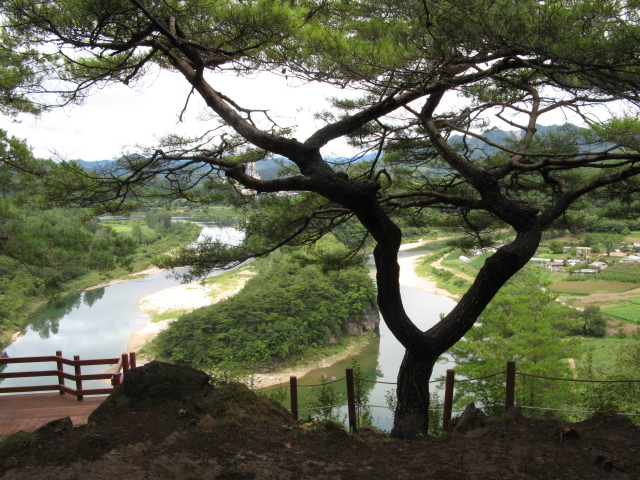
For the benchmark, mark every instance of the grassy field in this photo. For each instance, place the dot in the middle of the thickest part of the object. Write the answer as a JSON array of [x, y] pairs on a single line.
[[589, 287], [627, 311], [126, 226]]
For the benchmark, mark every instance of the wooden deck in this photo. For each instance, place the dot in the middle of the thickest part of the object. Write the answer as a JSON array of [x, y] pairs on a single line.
[[30, 411]]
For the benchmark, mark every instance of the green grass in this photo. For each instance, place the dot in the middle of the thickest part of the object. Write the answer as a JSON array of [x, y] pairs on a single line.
[[589, 287], [478, 263], [626, 311], [118, 227], [15, 442], [159, 317]]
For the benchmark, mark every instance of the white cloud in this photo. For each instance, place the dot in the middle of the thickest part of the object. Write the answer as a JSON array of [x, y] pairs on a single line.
[[116, 119]]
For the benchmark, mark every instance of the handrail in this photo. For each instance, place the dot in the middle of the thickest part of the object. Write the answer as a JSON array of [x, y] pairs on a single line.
[[123, 363]]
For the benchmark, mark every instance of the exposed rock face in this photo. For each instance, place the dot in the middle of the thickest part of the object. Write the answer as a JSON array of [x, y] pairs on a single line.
[[368, 321], [152, 384]]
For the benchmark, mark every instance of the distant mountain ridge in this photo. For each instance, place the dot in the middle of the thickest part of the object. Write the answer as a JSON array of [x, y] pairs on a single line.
[[268, 169]]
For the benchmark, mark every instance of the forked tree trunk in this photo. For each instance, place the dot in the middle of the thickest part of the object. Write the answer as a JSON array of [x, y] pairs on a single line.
[[424, 348]]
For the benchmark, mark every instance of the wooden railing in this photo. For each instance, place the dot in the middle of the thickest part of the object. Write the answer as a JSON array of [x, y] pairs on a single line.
[[122, 363]]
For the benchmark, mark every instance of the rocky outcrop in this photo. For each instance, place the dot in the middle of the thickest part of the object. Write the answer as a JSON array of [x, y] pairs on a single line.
[[366, 322], [153, 384]]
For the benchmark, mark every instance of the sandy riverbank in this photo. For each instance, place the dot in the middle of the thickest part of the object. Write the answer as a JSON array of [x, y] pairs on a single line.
[[179, 300], [185, 298]]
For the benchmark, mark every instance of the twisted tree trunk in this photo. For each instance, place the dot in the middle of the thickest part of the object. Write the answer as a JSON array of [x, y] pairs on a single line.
[[412, 410]]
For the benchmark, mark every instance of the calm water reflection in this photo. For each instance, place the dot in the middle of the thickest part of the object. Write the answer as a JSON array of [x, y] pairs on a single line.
[[94, 324]]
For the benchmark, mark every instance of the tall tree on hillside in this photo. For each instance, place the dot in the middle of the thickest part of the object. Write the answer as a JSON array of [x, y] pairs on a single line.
[[428, 76]]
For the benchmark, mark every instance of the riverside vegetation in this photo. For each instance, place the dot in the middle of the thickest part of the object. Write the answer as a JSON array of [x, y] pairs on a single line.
[[299, 301]]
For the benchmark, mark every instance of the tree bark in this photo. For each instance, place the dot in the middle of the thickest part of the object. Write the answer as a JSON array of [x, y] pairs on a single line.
[[412, 410]]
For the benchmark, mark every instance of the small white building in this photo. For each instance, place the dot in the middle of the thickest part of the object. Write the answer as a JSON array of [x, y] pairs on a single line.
[[599, 265], [630, 259]]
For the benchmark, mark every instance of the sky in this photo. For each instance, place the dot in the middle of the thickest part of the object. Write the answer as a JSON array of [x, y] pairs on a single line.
[[116, 119]]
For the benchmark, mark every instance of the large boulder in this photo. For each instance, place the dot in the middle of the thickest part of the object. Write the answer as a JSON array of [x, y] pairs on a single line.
[[153, 384], [471, 418]]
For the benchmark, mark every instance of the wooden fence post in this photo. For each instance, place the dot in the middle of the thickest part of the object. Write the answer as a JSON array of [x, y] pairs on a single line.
[[78, 372], [293, 388], [510, 385], [132, 359], [351, 400], [125, 364], [60, 368], [448, 399]]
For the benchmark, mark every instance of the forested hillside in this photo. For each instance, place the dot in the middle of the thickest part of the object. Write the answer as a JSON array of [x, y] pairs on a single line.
[[301, 299]]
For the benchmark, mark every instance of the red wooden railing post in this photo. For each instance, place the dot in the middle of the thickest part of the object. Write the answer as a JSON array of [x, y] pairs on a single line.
[[60, 368], [78, 372], [293, 389], [351, 400], [125, 364], [509, 400], [132, 359], [448, 399]]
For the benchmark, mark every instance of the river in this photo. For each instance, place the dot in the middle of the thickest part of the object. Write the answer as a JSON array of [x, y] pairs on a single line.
[[98, 323], [381, 359]]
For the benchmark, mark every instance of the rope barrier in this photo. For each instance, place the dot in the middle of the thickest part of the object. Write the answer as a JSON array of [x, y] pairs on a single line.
[[375, 381], [509, 398], [391, 383], [322, 408], [481, 378], [576, 380]]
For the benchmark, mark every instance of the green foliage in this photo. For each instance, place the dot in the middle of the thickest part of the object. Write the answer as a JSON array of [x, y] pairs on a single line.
[[326, 400], [298, 300], [436, 407], [158, 220], [361, 388], [556, 247], [391, 399], [621, 397], [594, 323], [524, 323]]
